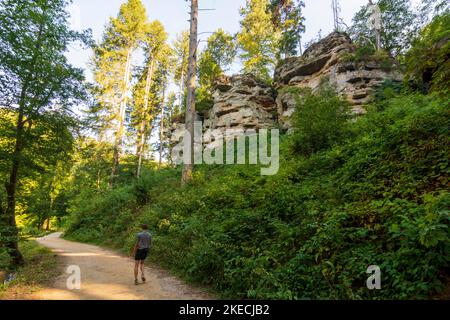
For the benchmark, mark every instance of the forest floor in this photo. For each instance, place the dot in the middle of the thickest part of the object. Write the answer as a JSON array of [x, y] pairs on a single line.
[[108, 275]]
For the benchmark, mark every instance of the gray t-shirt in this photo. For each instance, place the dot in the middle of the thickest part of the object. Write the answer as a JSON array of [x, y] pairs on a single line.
[[144, 240]]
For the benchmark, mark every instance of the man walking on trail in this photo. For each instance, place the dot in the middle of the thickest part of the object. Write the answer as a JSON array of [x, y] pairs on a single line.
[[140, 252]]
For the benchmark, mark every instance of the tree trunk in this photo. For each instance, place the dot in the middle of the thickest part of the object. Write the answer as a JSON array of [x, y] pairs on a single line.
[[377, 33], [120, 128], [169, 145], [300, 49], [41, 224], [141, 149], [98, 179], [190, 105], [161, 127], [180, 97], [11, 187], [378, 39], [336, 8], [141, 137]]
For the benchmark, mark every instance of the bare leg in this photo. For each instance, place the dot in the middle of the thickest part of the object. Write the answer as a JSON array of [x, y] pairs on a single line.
[[142, 269], [136, 269]]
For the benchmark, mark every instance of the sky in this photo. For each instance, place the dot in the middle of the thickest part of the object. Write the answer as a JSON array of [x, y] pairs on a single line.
[[174, 15]]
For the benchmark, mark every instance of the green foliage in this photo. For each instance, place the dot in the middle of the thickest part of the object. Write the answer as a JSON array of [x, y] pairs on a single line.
[[38, 89], [181, 48], [388, 90], [41, 266], [430, 8], [88, 209], [111, 60], [204, 101], [361, 54], [320, 120], [350, 192], [398, 21], [258, 39], [427, 62], [220, 51], [129, 27], [152, 78], [214, 61], [367, 54], [379, 197], [289, 20]]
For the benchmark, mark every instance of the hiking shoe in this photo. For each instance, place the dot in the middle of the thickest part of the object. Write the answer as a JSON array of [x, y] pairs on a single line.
[[136, 282], [143, 279]]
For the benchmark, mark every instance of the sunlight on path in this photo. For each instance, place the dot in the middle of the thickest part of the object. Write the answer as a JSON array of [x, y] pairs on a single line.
[[107, 275]]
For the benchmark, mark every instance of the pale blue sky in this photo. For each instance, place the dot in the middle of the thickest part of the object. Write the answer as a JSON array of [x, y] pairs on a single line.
[[173, 14]]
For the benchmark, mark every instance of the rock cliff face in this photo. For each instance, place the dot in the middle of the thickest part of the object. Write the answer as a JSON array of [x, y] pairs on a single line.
[[242, 102], [327, 60]]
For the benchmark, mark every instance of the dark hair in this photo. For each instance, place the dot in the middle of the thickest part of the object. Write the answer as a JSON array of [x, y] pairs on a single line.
[[144, 226]]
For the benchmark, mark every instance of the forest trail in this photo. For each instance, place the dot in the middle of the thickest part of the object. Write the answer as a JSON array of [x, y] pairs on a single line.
[[108, 275]]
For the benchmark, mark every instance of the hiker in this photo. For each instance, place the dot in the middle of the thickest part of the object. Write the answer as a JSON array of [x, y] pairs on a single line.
[[140, 251]]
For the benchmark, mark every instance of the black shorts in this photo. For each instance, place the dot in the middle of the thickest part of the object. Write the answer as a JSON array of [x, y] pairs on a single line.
[[141, 254]]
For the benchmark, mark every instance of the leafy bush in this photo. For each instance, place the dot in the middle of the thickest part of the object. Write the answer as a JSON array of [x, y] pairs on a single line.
[[362, 53], [204, 101], [427, 62], [366, 54], [41, 266], [320, 120], [94, 215]]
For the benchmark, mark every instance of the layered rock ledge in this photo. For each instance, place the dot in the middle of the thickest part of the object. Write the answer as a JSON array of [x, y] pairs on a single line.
[[328, 61]]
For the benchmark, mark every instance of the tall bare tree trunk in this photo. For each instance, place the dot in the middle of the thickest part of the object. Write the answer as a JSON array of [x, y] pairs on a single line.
[[300, 48], [140, 149], [181, 94], [378, 39], [336, 11], [141, 144], [120, 127], [98, 179], [190, 105], [161, 127], [377, 32]]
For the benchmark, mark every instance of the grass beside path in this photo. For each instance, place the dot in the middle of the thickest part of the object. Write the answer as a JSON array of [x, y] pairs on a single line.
[[41, 266]]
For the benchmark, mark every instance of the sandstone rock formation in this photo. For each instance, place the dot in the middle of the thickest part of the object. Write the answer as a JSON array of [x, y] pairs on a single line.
[[240, 102], [327, 60]]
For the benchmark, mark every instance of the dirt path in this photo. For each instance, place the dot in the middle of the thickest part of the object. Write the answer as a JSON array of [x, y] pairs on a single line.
[[108, 275]]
